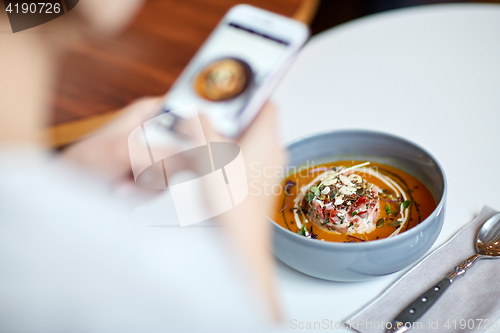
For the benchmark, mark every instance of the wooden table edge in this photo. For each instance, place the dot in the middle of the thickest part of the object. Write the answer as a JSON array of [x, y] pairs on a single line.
[[67, 133]]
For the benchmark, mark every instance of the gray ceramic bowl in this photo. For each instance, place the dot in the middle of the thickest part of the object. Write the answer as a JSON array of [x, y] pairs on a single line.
[[363, 261]]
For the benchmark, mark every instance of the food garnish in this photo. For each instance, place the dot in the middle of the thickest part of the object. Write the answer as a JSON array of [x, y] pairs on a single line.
[[340, 200], [289, 184], [351, 236]]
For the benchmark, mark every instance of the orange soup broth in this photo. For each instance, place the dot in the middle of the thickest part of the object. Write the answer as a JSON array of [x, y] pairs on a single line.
[[421, 206]]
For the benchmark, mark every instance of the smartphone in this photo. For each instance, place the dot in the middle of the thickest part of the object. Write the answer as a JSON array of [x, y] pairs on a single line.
[[238, 67]]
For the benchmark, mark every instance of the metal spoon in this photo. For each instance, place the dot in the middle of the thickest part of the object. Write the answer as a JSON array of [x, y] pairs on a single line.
[[487, 246]]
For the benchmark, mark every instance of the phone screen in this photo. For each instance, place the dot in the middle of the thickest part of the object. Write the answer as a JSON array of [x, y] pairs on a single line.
[[228, 70]]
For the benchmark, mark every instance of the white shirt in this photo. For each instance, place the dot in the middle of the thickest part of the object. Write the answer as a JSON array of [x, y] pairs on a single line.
[[72, 259]]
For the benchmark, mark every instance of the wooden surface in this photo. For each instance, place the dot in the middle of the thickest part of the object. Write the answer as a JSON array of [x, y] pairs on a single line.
[[145, 59]]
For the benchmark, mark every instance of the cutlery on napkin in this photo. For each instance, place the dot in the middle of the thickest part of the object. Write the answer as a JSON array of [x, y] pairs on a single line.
[[471, 304]]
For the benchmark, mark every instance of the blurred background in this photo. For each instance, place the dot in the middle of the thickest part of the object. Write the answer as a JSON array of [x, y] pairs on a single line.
[[102, 76]]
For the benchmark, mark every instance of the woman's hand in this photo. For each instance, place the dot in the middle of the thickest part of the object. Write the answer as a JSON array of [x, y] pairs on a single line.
[[106, 151], [246, 223]]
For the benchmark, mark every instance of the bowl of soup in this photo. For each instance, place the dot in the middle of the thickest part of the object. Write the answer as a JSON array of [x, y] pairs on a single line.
[[357, 204]]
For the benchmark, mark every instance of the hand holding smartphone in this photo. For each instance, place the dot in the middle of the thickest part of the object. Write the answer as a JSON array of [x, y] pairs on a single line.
[[237, 68]]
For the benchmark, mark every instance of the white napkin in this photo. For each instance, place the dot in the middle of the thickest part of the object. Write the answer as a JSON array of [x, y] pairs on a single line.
[[470, 304]]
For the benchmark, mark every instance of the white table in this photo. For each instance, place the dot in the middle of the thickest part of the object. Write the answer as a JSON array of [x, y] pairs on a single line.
[[430, 74]]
